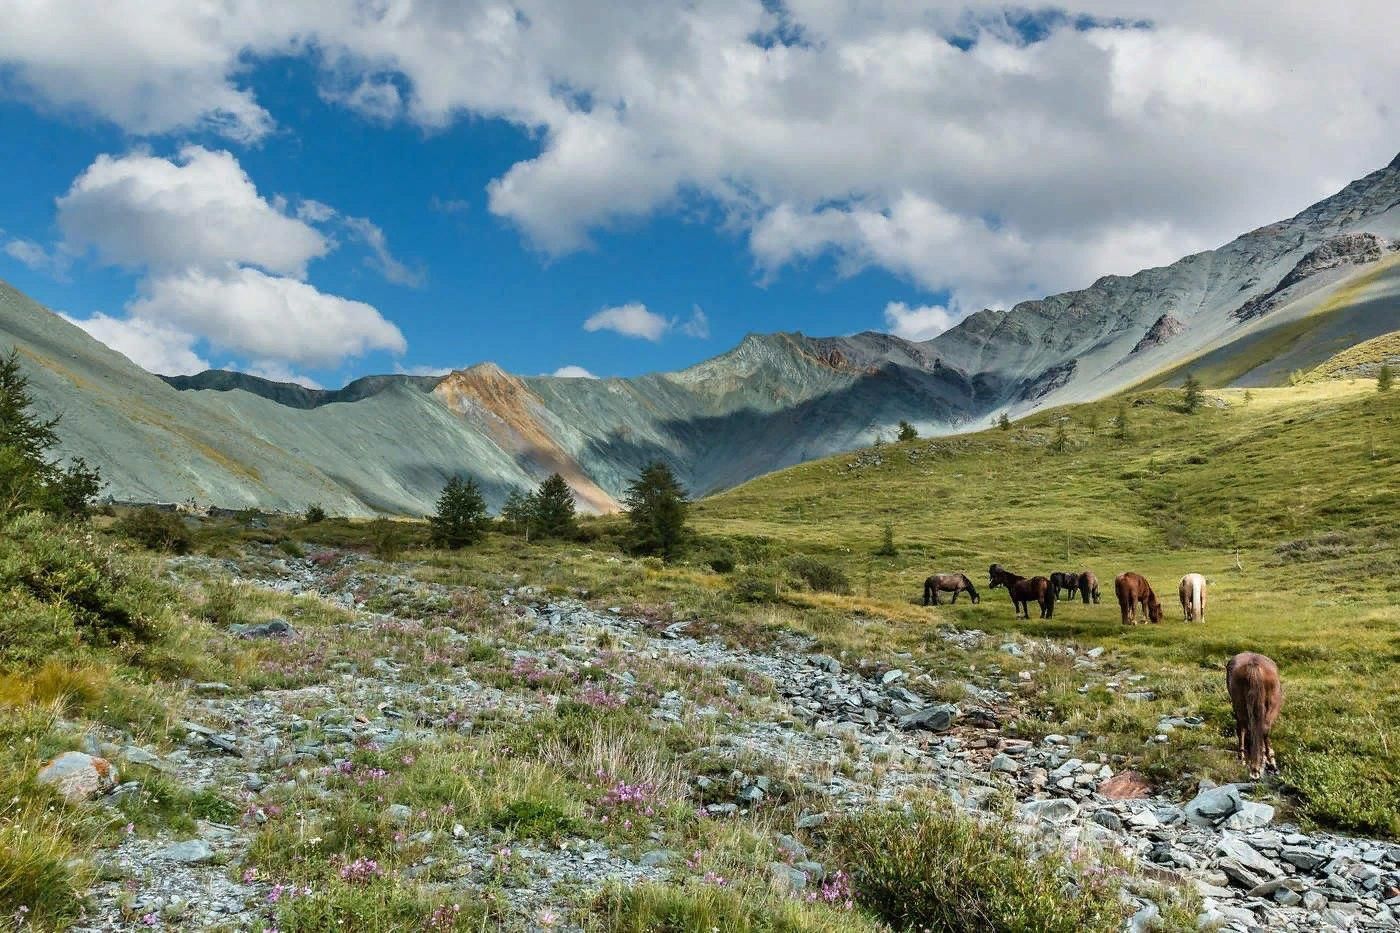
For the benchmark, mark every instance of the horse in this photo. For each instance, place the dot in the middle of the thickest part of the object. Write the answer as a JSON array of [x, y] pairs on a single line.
[[1256, 695], [1064, 580], [1088, 586], [1023, 591], [1134, 590], [1192, 591], [945, 582]]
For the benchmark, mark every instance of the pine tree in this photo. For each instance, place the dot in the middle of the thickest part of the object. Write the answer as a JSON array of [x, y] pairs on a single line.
[[461, 516], [656, 508], [907, 432], [553, 507], [1385, 378], [1060, 443], [1191, 394], [518, 512], [1004, 422], [28, 479]]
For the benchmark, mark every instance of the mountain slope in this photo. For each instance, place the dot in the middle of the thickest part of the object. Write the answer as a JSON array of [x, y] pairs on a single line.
[[1282, 297]]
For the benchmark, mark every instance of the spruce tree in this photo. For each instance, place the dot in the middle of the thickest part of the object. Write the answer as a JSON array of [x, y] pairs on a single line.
[[1004, 421], [656, 508], [1191, 394], [1060, 442], [518, 513], [554, 515], [1385, 378], [28, 479], [907, 432], [461, 516]]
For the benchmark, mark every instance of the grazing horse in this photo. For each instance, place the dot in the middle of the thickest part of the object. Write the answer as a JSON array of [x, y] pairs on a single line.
[[1133, 590], [948, 582], [1088, 586], [1066, 580], [1192, 591], [1023, 591], [1256, 694]]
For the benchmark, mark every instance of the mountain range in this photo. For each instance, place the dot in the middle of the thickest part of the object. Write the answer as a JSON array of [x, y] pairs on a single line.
[[1279, 298]]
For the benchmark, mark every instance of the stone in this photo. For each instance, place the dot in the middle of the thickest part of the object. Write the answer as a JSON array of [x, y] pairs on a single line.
[[1125, 785], [1251, 815], [933, 718], [1095, 652], [785, 878], [891, 676], [658, 858], [1243, 863], [190, 852], [78, 775], [790, 847], [273, 628], [398, 813], [136, 755], [810, 820], [1303, 858], [1213, 806], [1108, 819], [1055, 810], [1004, 762], [1145, 920]]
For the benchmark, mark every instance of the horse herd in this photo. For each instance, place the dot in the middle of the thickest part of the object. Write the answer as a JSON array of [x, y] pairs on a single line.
[[1256, 691]]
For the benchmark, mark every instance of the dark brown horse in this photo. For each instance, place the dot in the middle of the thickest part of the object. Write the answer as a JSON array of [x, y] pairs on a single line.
[[1024, 591], [1064, 580], [1256, 694], [948, 582], [1133, 590], [1088, 586]]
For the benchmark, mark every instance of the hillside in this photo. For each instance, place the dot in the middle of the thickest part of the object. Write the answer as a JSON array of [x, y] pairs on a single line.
[[1283, 297]]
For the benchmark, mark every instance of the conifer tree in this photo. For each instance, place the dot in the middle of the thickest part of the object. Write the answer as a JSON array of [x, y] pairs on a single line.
[[461, 516], [553, 509], [656, 508]]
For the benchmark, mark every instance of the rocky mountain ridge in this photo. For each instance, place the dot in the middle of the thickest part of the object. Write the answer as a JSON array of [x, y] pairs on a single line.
[[388, 443]]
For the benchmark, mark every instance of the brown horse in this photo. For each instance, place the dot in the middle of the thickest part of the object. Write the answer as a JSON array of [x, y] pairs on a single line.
[[1088, 586], [1024, 591], [1133, 590], [1192, 591], [1064, 580], [948, 582], [1256, 694]]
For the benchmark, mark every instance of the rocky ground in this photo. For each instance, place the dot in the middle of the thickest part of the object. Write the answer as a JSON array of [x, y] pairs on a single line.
[[849, 737]]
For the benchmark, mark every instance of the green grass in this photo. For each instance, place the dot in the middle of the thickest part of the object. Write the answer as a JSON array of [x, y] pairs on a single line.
[[1289, 504]]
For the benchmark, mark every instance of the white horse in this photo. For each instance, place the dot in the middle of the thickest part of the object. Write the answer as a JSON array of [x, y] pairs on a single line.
[[1193, 597]]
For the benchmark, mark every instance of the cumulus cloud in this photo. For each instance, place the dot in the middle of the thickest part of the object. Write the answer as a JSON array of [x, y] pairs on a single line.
[[152, 345], [919, 323], [629, 320], [697, 325], [222, 264], [994, 155], [270, 318], [572, 372], [34, 256]]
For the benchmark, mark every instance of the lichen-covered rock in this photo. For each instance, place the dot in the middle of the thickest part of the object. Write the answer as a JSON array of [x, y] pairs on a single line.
[[78, 775]]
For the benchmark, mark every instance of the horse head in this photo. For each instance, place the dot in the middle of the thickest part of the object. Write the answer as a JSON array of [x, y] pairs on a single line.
[[971, 590]]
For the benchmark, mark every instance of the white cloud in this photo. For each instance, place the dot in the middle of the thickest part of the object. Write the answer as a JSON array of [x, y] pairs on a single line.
[[199, 210], [572, 372], [152, 345], [698, 325], [266, 317], [919, 323], [53, 262], [1005, 170], [424, 370], [274, 371], [223, 265], [629, 320]]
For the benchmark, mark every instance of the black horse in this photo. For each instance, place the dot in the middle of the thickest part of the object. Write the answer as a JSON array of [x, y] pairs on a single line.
[[1064, 580], [948, 582], [1024, 591]]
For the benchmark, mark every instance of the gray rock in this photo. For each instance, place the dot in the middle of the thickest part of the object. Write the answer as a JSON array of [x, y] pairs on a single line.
[[1251, 815], [1243, 863], [273, 628], [1303, 858], [785, 878], [1005, 763], [790, 847], [1055, 810], [398, 813], [1108, 819], [933, 718], [658, 858], [1212, 807], [136, 755], [810, 820], [1145, 919], [78, 775], [190, 852]]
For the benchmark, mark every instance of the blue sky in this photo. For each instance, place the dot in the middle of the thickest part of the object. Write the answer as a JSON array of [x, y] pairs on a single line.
[[323, 198]]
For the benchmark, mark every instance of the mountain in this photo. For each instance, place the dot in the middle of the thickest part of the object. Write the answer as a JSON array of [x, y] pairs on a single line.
[[1283, 297]]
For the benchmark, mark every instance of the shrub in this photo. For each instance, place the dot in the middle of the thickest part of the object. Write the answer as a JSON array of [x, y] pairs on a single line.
[[387, 539], [670, 908], [753, 589], [314, 514], [1191, 394], [907, 432], [819, 575], [1004, 422], [155, 530], [931, 868], [887, 548], [1385, 378], [721, 562]]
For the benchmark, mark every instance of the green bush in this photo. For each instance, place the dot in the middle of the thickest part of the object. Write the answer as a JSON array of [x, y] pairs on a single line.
[[753, 589], [156, 530], [932, 868], [721, 563], [819, 575], [701, 908], [314, 514]]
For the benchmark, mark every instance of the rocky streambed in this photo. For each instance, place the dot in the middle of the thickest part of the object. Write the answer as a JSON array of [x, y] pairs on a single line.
[[851, 739]]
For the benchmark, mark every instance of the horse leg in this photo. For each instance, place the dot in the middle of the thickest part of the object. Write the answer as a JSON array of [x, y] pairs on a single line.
[[1269, 754], [955, 596], [1239, 740]]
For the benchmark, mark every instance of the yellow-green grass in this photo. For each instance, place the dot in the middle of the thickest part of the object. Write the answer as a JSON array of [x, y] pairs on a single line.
[[1373, 352], [1288, 501]]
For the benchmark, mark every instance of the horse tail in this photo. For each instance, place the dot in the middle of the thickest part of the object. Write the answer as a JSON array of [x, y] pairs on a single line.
[[928, 591], [1198, 609], [1256, 696]]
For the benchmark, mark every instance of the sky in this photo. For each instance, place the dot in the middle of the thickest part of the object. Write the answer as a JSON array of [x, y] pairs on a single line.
[[315, 192]]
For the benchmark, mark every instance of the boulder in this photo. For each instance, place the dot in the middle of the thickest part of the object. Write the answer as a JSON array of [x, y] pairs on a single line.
[[1055, 810], [273, 628], [190, 852], [1213, 806], [1125, 785], [1251, 815], [933, 718], [79, 776]]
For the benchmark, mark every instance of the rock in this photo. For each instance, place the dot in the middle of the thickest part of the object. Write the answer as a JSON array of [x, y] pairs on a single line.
[[1303, 858], [1055, 810], [790, 847], [827, 663], [658, 858], [933, 718], [810, 820], [78, 776], [398, 813], [1094, 652], [785, 878], [814, 871], [1243, 863], [1251, 815], [1145, 920], [1211, 807], [1125, 785], [136, 755], [1004, 762], [1109, 820], [190, 852], [273, 628]]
